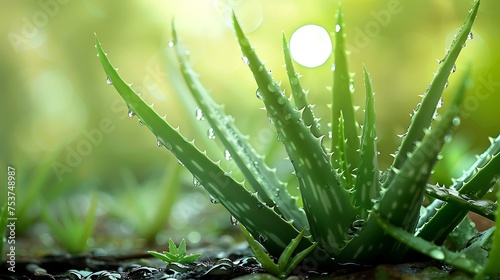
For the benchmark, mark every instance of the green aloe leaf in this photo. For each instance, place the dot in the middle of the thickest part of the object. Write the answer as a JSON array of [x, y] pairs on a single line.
[[367, 185], [423, 116], [440, 253], [299, 94], [323, 197], [344, 174], [485, 208], [342, 103], [401, 202], [474, 184], [262, 179], [275, 231], [492, 267]]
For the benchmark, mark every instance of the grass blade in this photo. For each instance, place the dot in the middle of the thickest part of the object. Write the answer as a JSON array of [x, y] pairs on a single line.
[[322, 195], [342, 102], [275, 231], [262, 179]]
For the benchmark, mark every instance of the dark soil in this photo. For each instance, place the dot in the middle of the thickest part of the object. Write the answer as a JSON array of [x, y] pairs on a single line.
[[235, 263]]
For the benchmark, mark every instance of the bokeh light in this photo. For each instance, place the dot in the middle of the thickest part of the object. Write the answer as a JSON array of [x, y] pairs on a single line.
[[310, 45]]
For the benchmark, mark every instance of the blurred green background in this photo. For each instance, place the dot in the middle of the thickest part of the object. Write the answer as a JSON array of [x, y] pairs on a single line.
[[62, 126]]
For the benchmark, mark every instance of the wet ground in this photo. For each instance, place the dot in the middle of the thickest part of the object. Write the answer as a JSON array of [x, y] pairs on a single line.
[[235, 263]]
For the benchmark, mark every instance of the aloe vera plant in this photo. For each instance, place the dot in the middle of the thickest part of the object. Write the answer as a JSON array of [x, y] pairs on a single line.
[[352, 210]]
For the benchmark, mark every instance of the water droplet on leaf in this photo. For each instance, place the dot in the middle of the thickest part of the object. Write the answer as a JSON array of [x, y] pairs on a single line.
[[199, 114], [456, 121], [159, 143], [271, 87], [196, 182], [227, 155], [211, 134], [213, 199], [437, 254], [245, 60], [180, 162], [168, 146], [259, 94], [171, 44], [338, 28], [141, 123], [281, 100], [108, 81], [470, 36], [454, 68], [131, 113], [234, 222]]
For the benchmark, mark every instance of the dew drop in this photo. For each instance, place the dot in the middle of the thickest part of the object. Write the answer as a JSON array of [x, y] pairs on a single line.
[[440, 103], [288, 117], [196, 182], [294, 81], [456, 121], [259, 94], [333, 67], [338, 28], [281, 100], [131, 113], [159, 143], [446, 84], [454, 68], [199, 114], [171, 44], [108, 81], [234, 222], [141, 123], [227, 155], [211, 134], [470, 36], [261, 68], [168, 146], [180, 162], [213, 199], [245, 60], [437, 254], [271, 87], [244, 42]]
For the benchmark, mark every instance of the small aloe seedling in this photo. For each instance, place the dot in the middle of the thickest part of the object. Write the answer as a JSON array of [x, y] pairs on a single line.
[[176, 254], [285, 265], [352, 210]]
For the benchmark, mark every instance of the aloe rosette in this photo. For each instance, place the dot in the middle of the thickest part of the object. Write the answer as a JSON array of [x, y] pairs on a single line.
[[351, 210]]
